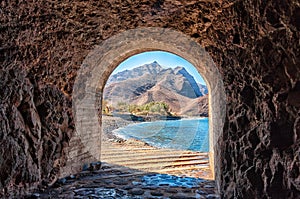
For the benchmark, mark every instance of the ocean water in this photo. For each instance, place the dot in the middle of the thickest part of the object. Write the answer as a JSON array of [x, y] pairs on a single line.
[[185, 134]]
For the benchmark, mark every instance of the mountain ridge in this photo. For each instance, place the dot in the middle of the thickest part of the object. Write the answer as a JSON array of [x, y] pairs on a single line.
[[140, 70], [151, 82]]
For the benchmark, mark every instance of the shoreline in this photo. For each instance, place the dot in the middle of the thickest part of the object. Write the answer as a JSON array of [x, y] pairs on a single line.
[[111, 123], [130, 153]]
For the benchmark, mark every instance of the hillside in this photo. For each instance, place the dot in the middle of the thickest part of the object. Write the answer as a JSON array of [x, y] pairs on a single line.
[[151, 82]]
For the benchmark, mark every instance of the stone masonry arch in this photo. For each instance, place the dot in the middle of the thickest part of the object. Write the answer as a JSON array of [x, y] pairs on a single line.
[[101, 62]]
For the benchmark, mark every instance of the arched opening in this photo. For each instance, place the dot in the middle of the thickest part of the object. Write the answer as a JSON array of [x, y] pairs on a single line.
[[101, 62], [155, 117]]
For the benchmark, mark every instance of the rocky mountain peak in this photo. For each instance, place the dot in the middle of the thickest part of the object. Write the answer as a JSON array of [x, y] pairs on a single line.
[[147, 69], [152, 82]]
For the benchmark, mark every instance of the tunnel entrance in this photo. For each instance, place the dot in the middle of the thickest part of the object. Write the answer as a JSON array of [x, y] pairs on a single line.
[[155, 117], [99, 64]]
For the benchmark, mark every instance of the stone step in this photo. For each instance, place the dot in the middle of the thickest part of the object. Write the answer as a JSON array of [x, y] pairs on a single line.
[[134, 172], [176, 169], [150, 159], [116, 149], [131, 160], [141, 153], [138, 150], [160, 165], [156, 160], [125, 158], [163, 164], [112, 150]]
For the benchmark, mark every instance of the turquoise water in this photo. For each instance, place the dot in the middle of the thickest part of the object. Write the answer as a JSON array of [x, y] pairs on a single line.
[[186, 134]]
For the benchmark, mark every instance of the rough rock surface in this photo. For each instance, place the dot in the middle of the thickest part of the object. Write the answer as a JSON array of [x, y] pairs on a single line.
[[35, 127], [255, 45]]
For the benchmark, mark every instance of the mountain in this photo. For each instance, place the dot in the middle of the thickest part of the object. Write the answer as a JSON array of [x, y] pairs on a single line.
[[189, 79], [151, 82], [147, 69]]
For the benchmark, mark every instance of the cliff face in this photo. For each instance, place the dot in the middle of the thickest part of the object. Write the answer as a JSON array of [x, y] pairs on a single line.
[[255, 45]]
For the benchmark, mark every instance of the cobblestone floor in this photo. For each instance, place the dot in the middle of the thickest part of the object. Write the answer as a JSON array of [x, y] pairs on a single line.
[[125, 183]]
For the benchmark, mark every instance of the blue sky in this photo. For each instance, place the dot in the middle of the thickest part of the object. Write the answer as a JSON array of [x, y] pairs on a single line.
[[165, 59]]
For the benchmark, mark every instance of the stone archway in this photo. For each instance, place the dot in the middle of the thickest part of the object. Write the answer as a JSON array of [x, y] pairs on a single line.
[[100, 63]]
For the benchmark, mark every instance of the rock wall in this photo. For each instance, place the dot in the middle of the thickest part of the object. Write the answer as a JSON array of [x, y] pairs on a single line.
[[36, 126], [255, 45]]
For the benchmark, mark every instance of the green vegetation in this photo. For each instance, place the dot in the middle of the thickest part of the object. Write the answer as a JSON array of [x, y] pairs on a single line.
[[122, 107], [160, 108]]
